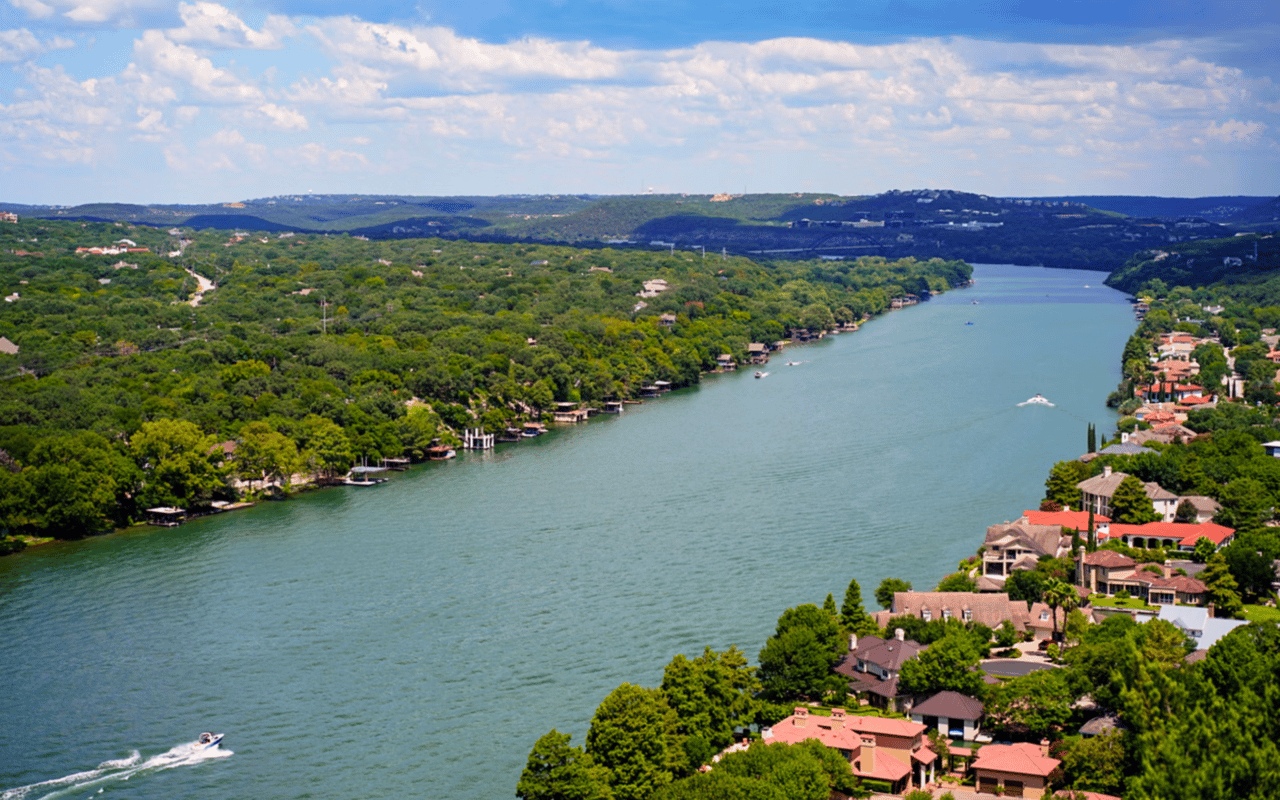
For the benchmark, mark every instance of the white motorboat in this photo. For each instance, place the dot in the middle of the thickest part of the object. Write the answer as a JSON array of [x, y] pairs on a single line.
[[1038, 400], [761, 374], [207, 741]]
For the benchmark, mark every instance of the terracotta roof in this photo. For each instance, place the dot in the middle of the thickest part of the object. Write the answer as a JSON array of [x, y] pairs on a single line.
[[1187, 533], [952, 705], [1023, 758], [1077, 520], [990, 609], [802, 726], [886, 726]]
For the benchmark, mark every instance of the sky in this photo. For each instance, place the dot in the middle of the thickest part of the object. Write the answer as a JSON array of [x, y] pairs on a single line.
[[145, 101]]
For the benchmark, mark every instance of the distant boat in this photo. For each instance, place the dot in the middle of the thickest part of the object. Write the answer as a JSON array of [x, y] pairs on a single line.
[[1038, 400], [761, 374], [975, 302], [968, 323]]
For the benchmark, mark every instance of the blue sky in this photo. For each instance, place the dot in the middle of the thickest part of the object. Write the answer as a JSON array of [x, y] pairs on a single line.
[[157, 102]]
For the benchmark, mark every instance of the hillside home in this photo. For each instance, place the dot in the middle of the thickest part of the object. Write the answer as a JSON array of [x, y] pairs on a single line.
[[1014, 770], [1019, 545], [1169, 535], [892, 751], [872, 666], [1199, 624], [1096, 494], [990, 609], [952, 714], [1108, 572]]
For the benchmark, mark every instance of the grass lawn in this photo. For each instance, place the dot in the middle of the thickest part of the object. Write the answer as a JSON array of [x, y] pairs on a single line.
[[1262, 614], [1112, 602]]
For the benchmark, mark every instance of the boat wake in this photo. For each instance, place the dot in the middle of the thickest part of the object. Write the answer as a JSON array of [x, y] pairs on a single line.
[[115, 771], [1038, 400]]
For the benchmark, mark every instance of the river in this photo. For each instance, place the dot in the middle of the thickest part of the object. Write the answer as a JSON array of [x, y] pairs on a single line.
[[415, 639]]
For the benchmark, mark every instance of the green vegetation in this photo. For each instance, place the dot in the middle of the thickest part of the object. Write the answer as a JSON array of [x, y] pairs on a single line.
[[133, 389]]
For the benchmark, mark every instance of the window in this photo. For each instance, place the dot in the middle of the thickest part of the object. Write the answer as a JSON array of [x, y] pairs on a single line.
[[925, 614], [968, 615], [946, 613]]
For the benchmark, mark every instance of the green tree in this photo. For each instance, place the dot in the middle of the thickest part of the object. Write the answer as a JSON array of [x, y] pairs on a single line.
[[557, 771], [957, 582], [712, 695], [1131, 505], [181, 464], [853, 616], [1246, 505], [327, 449], [1095, 763], [263, 454], [1025, 584], [948, 664], [1221, 588], [886, 589], [1060, 486], [1034, 705], [635, 735], [1204, 549], [1058, 594], [796, 661]]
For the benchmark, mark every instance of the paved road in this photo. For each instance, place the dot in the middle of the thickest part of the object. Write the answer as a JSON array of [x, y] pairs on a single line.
[[1013, 667]]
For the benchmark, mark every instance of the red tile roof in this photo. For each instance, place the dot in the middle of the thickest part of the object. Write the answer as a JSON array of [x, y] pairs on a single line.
[[1185, 533], [1077, 520], [802, 726], [1023, 758], [1108, 558]]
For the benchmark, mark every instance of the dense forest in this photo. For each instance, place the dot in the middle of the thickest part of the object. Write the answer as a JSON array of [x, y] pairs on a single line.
[[131, 386]]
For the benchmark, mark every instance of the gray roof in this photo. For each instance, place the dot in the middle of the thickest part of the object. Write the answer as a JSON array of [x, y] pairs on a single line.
[[1196, 622], [1124, 449]]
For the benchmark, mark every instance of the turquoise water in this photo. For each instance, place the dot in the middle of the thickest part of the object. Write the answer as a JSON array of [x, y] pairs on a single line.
[[415, 639]]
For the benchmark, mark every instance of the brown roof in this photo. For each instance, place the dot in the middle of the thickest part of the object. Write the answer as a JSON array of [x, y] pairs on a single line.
[[952, 705], [890, 654], [1109, 559], [989, 608]]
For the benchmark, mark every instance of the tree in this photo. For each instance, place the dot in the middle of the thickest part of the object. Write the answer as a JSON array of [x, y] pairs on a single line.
[[1095, 763], [328, 450], [1060, 487], [886, 589], [1025, 584], [1221, 588], [852, 615], [1204, 549], [265, 455], [1092, 439], [796, 661], [1058, 594], [805, 771], [712, 696], [957, 582], [1130, 504], [1246, 505], [1186, 513], [1037, 704], [634, 734], [180, 463], [948, 664], [557, 771]]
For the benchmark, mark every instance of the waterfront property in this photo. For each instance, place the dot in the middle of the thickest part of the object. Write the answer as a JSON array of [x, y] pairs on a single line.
[[881, 749], [1019, 546], [1108, 572], [989, 608], [872, 666], [1096, 493], [954, 715]]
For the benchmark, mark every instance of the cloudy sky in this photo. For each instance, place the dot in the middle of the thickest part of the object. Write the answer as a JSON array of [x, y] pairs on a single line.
[[153, 101]]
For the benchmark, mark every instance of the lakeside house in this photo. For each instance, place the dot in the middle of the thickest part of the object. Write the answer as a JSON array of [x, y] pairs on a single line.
[[1018, 546], [1096, 494], [889, 751], [872, 666], [989, 608], [1108, 572]]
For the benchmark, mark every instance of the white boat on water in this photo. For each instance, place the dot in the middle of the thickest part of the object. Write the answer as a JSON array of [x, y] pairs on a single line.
[[1038, 400], [365, 476], [207, 741], [761, 374]]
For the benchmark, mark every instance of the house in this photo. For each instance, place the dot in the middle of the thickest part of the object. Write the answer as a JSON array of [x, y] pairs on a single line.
[[1108, 572], [892, 751], [1096, 494], [1014, 770], [951, 713], [1121, 448], [990, 609], [725, 362], [7, 347], [1066, 519], [667, 320], [872, 666], [1180, 535], [1019, 545], [1165, 434], [757, 353], [1272, 449], [1199, 624]]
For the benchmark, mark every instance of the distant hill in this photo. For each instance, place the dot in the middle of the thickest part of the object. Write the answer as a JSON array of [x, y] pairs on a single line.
[[1211, 208]]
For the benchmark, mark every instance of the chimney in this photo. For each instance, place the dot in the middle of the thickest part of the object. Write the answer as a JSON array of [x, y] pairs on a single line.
[[1106, 471], [1168, 569], [1124, 437], [802, 714], [837, 718], [899, 634], [853, 642]]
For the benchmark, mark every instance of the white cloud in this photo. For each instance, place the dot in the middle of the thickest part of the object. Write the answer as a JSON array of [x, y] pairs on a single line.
[[213, 25], [314, 154], [1235, 131], [285, 119], [124, 13], [183, 64], [22, 44]]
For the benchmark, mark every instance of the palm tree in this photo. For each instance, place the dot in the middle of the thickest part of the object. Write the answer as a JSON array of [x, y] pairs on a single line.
[[1059, 594]]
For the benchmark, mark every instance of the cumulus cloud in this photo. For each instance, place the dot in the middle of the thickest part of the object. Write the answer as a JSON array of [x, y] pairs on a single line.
[[101, 13], [21, 44], [180, 63], [213, 25], [285, 119], [1235, 131]]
